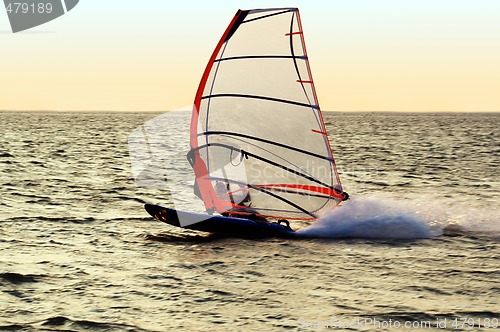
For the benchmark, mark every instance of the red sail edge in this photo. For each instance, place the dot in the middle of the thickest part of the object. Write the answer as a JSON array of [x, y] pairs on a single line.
[[206, 190]]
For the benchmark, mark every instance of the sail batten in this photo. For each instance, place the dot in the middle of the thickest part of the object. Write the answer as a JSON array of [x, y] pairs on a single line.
[[260, 97], [258, 139], [268, 15], [227, 133], [262, 57]]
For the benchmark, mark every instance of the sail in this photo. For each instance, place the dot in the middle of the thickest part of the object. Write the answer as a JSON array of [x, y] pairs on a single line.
[[258, 140]]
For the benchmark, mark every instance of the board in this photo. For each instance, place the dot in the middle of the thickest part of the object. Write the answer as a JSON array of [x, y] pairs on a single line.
[[240, 227]]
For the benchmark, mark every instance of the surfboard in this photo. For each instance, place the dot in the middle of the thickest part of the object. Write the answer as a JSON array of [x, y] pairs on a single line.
[[219, 224]]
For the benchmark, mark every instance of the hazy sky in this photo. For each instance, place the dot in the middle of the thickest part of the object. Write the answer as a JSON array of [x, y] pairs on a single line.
[[366, 55]]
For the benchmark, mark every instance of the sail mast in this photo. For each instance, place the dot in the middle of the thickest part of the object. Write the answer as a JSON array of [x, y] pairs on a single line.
[[204, 186]]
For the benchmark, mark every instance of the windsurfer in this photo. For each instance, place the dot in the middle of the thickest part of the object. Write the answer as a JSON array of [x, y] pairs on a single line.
[[242, 199], [240, 196], [221, 189]]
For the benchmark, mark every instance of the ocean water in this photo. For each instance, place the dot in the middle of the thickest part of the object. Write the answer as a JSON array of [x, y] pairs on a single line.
[[416, 247]]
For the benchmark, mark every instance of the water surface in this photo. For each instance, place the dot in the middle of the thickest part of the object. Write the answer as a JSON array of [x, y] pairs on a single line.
[[80, 253]]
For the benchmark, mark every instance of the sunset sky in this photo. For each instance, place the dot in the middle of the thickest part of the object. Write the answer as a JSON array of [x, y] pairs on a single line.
[[366, 55]]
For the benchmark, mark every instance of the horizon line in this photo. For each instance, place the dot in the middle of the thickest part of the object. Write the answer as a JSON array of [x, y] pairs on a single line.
[[182, 109]]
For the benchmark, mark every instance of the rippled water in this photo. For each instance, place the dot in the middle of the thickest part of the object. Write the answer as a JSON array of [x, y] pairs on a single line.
[[417, 244]]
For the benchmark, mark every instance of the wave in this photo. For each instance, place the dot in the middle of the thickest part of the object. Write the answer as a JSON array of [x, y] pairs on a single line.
[[19, 278], [76, 220], [62, 323]]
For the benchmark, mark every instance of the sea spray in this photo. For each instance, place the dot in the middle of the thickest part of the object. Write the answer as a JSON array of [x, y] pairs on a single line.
[[452, 216], [371, 217]]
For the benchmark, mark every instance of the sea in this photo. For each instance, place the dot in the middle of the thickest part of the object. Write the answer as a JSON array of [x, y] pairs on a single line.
[[417, 246]]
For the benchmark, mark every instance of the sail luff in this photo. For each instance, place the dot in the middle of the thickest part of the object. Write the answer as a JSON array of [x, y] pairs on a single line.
[[205, 187]]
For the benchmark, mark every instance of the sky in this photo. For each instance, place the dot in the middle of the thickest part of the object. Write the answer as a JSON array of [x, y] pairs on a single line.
[[365, 55]]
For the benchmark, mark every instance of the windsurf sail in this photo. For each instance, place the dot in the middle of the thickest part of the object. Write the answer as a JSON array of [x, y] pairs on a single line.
[[258, 139]]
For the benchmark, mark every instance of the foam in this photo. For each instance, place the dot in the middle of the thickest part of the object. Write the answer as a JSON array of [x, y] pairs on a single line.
[[406, 218], [371, 217]]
